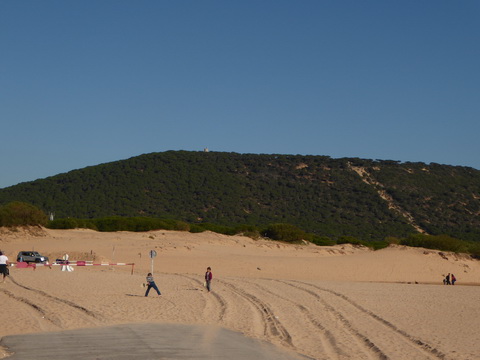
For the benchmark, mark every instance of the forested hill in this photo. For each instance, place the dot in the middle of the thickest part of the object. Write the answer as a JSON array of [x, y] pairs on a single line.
[[363, 198]]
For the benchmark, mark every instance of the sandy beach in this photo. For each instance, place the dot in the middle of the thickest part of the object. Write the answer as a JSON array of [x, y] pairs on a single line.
[[339, 302]]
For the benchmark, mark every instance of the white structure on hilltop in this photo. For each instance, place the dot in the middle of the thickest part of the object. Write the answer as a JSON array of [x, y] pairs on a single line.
[[205, 150]]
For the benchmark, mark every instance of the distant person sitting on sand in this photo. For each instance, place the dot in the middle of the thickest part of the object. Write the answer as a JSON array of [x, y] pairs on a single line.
[[151, 284], [3, 265], [453, 279], [208, 278]]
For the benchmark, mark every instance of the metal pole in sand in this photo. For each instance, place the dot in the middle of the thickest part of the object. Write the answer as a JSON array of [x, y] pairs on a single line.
[[153, 253]]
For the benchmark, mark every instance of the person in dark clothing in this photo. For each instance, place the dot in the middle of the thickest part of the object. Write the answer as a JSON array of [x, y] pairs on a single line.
[[151, 284], [208, 278], [447, 279]]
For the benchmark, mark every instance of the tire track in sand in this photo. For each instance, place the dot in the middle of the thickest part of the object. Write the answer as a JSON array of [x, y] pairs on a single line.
[[273, 328], [64, 301], [220, 300], [370, 349], [30, 304], [339, 333], [58, 318], [328, 342], [405, 343]]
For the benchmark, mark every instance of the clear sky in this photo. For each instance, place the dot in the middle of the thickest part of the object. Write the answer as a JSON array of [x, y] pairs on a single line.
[[93, 81]]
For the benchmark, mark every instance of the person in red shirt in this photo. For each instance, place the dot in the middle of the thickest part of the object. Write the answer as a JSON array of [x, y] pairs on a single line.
[[453, 279], [208, 278]]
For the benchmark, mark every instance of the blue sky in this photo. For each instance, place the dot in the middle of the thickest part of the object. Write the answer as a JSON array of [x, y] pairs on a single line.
[[88, 82]]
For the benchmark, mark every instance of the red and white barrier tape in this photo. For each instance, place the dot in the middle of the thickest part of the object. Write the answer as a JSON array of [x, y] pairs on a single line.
[[84, 263], [24, 265]]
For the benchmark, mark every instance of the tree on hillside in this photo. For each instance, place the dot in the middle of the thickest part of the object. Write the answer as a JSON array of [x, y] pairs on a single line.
[[21, 214]]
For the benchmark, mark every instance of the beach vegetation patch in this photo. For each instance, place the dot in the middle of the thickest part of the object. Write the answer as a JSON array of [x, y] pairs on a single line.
[[284, 232], [18, 213], [117, 223], [437, 242], [320, 240]]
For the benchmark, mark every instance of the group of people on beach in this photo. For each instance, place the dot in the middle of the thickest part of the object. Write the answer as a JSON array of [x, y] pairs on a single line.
[[151, 282], [450, 279]]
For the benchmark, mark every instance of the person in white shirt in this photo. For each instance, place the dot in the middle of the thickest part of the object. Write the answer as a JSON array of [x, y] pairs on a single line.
[[3, 265]]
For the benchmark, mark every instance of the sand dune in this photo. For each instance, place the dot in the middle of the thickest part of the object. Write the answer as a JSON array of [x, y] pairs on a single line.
[[336, 302]]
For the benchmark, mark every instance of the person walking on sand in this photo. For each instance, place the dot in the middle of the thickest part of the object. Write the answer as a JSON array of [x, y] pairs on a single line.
[[4, 265], [447, 279], [208, 278], [453, 279], [151, 284]]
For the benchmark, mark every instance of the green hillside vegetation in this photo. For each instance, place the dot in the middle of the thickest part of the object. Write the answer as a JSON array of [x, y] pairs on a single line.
[[330, 199], [18, 214]]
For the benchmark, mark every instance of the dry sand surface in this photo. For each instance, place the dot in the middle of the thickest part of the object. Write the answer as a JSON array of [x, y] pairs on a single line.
[[338, 302]]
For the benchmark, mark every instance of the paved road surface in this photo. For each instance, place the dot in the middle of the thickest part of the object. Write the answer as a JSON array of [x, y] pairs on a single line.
[[143, 341]]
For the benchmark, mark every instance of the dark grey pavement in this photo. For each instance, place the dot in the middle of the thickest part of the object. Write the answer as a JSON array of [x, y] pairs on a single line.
[[143, 341]]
